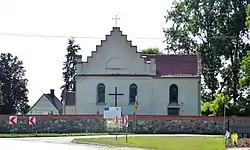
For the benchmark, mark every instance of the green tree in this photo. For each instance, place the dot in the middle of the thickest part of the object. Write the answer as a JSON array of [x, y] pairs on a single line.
[[1, 98], [69, 66], [213, 29], [151, 51], [245, 84], [248, 16], [14, 85], [245, 76], [216, 107]]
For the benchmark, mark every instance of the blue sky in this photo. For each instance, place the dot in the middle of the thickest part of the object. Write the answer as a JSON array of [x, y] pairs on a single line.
[[43, 56]]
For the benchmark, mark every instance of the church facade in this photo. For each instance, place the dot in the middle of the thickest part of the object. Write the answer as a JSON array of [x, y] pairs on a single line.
[[161, 84]]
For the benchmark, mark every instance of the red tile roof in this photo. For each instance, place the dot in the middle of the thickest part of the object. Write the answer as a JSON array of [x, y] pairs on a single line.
[[176, 65]]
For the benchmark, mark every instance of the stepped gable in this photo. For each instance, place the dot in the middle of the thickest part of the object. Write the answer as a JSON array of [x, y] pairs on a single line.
[[176, 65], [166, 65], [114, 29]]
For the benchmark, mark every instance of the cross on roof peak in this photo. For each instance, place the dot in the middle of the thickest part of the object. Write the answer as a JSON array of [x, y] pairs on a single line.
[[116, 18]]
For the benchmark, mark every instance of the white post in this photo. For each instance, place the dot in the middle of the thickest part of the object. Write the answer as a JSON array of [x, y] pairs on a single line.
[[136, 100], [224, 119], [116, 122], [224, 122]]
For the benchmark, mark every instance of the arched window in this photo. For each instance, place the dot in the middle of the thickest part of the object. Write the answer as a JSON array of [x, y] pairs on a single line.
[[173, 94], [100, 93], [132, 93]]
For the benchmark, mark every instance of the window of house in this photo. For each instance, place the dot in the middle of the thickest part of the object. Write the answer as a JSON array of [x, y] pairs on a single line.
[[173, 94], [101, 93], [132, 93]]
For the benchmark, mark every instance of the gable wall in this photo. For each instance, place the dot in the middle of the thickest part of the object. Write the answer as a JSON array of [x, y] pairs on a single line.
[[116, 52], [43, 107]]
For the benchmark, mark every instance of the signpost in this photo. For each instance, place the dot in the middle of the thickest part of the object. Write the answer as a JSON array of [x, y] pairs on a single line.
[[13, 121], [113, 113], [136, 107], [32, 121], [125, 124], [116, 122]]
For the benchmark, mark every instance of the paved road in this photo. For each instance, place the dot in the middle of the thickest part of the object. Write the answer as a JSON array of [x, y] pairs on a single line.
[[50, 144], [64, 143]]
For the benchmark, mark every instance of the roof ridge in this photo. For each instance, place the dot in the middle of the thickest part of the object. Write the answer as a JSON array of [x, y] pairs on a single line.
[[52, 100]]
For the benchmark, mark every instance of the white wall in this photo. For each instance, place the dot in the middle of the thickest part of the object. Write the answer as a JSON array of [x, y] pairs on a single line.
[[43, 107], [70, 110], [153, 94], [188, 90]]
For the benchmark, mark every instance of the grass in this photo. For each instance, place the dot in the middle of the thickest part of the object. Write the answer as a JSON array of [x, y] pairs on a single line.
[[161, 142], [20, 135]]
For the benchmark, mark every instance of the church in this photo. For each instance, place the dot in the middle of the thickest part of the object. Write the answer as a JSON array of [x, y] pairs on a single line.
[[116, 74]]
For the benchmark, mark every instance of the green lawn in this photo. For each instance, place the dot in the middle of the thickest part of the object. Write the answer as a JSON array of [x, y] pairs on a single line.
[[161, 142]]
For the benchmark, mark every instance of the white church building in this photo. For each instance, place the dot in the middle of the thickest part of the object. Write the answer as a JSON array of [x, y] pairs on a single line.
[[162, 84]]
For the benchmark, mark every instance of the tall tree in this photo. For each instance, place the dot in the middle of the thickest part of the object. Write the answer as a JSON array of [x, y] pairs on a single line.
[[151, 51], [214, 29], [245, 78], [244, 107], [69, 66], [14, 85], [245, 74], [248, 16], [1, 97]]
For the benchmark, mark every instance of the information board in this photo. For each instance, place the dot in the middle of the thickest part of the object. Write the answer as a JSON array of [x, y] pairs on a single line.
[[112, 112]]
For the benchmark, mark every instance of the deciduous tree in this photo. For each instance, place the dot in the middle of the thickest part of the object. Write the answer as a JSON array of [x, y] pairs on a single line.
[[14, 85], [151, 51], [215, 30]]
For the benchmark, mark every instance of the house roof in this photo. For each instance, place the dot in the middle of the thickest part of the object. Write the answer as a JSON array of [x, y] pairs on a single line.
[[54, 100], [175, 65]]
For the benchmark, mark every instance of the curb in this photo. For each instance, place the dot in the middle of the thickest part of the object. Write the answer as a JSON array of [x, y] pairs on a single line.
[[104, 145], [90, 143], [238, 148], [34, 136]]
